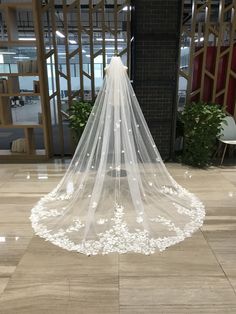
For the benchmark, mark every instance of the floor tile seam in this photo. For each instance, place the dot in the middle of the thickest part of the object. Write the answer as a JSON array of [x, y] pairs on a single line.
[[16, 267], [226, 276]]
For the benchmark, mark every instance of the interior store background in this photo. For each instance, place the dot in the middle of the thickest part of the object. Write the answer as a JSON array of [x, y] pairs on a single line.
[[55, 51]]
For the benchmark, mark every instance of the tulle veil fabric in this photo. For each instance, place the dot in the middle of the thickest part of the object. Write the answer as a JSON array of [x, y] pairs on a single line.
[[117, 195]]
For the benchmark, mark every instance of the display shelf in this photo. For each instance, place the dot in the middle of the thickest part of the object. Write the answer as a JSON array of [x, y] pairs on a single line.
[[12, 88]]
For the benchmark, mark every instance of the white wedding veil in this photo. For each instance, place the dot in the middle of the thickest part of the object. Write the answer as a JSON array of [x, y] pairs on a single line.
[[117, 195]]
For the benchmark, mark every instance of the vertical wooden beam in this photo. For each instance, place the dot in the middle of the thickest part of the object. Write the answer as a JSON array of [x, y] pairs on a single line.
[[5, 111], [230, 54], [218, 49], [79, 32], [68, 72], [128, 30], [191, 50], [43, 79], [11, 23], [103, 37], [30, 141], [182, 73], [205, 45], [58, 89], [115, 23], [91, 47]]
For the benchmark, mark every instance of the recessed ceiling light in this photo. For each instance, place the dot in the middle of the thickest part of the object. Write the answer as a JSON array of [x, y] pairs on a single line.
[[59, 34], [7, 53], [126, 8], [109, 39], [27, 38], [23, 57], [72, 41], [113, 48], [199, 39]]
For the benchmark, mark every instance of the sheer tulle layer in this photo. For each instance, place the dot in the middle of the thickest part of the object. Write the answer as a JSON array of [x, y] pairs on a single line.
[[117, 195]]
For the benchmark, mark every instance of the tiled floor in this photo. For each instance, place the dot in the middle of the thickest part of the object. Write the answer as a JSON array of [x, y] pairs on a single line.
[[196, 276]]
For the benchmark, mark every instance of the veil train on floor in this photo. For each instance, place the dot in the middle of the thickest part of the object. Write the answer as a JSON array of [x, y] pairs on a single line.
[[117, 195]]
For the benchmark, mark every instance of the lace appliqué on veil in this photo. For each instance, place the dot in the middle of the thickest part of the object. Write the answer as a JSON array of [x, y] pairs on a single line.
[[118, 238]]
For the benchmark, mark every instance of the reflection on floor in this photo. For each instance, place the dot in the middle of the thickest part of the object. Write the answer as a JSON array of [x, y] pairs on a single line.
[[195, 276]]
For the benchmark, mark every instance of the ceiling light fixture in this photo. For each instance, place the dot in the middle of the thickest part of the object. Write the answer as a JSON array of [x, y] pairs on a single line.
[[199, 39], [126, 8], [110, 39], [113, 48], [23, 57], [59, 34], [72, 41], [7, 53], [27, 38]]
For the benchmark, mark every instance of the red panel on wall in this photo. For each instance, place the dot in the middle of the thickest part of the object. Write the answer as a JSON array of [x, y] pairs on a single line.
[[222, 71], [197, 70], [233, 65], [221, 78], [231, 96], [211, 59]]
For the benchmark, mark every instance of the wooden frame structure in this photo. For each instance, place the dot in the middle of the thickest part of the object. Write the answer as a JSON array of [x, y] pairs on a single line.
[[10, 11], [97, 8], [219, 33]]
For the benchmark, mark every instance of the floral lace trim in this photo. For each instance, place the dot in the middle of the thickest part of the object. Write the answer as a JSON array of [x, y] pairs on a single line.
[[118, 238]]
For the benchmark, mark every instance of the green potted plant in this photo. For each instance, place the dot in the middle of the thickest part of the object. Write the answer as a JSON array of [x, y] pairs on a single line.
[[202, 123], [79, 113]]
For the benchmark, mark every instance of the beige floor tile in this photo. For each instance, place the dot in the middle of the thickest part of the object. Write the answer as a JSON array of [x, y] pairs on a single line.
[[175, 290], [50, 260], [12, 248], [16, 229], [222, 244], [47, 274], [197, 276], [59, 307], [6, 271], [198, 262], [36, 303], [77, 308], [20, 198], [182, 309], [3, 284], [23, 187], [14, 214]]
